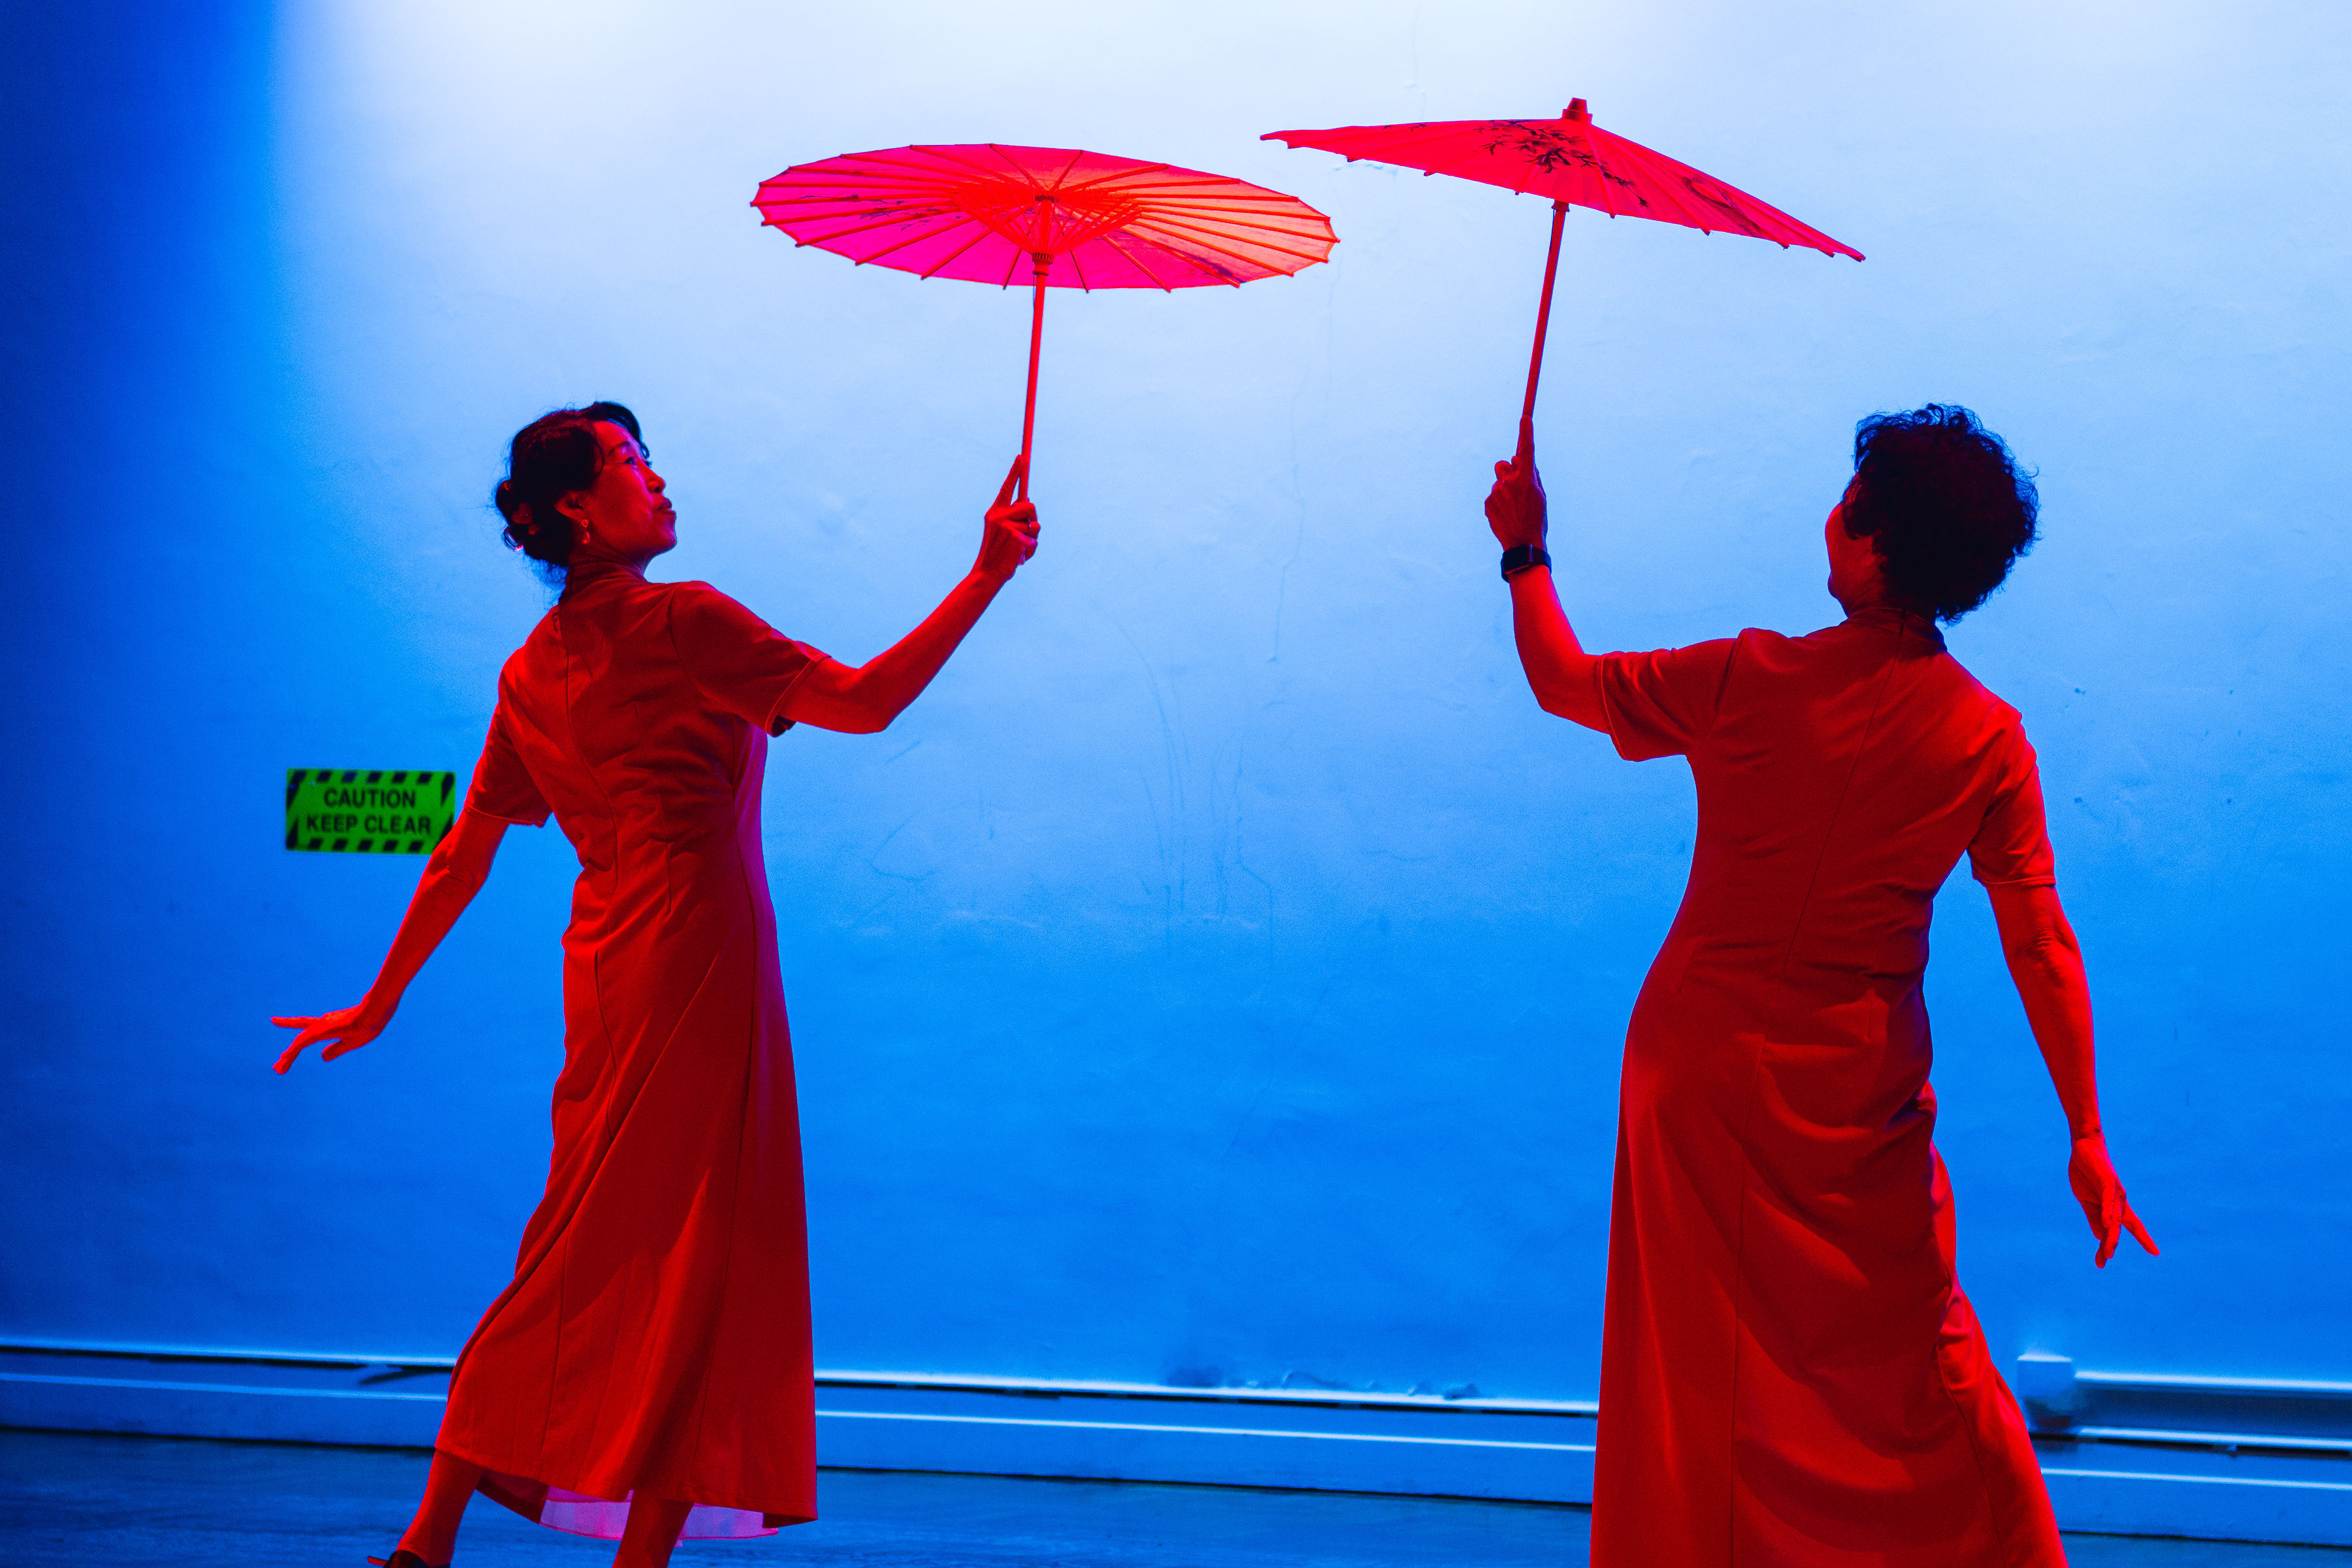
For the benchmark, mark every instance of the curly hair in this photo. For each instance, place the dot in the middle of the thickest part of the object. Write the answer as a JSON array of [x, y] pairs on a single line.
[[554, 456], [1944, 504]]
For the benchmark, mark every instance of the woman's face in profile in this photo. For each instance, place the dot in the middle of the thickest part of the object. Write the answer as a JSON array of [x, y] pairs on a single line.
[[624, 516]]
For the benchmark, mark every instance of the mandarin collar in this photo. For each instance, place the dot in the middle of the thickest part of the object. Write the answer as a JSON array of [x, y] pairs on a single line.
[[589, 573], [1895, 618]]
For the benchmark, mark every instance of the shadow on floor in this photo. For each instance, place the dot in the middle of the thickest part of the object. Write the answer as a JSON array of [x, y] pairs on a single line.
[[171, 1502]]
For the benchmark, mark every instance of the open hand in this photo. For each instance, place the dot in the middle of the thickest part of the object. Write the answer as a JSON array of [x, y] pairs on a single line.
[[344, 1029], [1010, 535], [1515, 507], [2101, 1193]]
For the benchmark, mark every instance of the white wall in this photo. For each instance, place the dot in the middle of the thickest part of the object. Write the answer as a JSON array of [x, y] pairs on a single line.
[[1219, 976]]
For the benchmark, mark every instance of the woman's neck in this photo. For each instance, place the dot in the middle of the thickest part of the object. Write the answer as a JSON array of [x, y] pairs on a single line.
[[598, 565], [1862, 603]]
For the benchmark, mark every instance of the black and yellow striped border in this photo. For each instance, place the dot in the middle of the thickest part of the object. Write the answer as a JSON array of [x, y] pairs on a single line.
[[437, 796]]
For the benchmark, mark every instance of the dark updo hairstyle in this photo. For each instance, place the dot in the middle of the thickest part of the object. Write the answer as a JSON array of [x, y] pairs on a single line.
[[554, 456], [1943, 502]]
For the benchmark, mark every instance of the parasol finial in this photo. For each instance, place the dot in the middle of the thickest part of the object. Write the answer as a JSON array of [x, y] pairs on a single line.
[[1576, 111]]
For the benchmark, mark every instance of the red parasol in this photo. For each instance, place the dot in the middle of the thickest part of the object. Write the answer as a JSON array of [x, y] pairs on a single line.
[[1074, 219], [1576, 164]]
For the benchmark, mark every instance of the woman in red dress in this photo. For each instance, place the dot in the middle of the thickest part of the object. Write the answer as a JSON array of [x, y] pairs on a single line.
[[649, 1371], [1790, 1372]]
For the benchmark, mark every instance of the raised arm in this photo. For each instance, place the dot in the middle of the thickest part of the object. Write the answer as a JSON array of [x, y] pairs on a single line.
[[1558, 669], [861, 699], [453, 875], [2046, 963]]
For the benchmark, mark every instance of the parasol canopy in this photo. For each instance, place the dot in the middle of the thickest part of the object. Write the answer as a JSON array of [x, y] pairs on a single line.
[[1051, 216], [1576, 164], [1570, 160]]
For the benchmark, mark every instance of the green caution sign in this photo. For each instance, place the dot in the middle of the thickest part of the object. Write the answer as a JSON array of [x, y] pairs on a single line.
[[364, 811]]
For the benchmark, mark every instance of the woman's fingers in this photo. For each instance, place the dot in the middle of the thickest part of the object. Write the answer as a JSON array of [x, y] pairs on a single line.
[[1012, 478], [1020, 520], [2104, 1201], [1010, 536], [302, 1027], [302, 1042], [336, 1028]]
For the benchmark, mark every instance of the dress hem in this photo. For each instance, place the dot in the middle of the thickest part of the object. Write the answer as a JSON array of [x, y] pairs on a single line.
[[511, 1488]]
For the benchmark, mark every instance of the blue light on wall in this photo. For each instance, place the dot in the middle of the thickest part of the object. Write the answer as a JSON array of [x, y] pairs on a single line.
[[1218, 977]]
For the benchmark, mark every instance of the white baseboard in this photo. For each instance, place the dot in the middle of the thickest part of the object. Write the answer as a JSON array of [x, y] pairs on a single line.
[[2302, 1511], [1519, 1455], [163, 1408], [1517, 1450], [1524, 1451]]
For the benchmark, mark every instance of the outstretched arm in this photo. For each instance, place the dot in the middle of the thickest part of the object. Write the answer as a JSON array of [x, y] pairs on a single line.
[[862, 699], [2046, 962], [453, 875], [1558, 669]]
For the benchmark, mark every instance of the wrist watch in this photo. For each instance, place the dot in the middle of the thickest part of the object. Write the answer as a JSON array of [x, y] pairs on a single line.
[[1520, 557]]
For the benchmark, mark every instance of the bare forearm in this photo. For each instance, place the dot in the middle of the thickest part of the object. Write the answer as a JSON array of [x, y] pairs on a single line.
[[452, 877], [432, 912], [1559, 670], [2057, 997], [2045, 960], [883, 685], [859, 699]]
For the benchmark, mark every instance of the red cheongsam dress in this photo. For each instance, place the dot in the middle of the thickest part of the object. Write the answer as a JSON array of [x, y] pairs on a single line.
[[1790, 1375], [655, 1337]]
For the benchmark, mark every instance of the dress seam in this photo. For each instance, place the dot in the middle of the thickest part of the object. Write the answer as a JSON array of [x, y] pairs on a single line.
[[613, 1137], [1747, 1115], [1829, 830], [735, 1195]]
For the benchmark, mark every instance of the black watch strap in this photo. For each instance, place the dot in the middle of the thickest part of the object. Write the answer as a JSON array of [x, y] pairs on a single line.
[[1520, 557]]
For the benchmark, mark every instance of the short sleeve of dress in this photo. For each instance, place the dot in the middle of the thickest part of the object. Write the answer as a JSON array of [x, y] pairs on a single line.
[[743, 665], [2012, 848], [1662, 704], [502, 786]]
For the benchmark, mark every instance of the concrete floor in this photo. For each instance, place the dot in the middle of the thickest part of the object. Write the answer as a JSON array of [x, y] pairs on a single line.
[[167, 1503]]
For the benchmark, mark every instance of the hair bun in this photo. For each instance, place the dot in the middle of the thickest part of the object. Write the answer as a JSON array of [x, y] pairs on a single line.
[[554, 456]]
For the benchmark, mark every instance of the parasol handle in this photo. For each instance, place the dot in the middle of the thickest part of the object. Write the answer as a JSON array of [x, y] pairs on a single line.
[[1543, 324], [1036, 337]]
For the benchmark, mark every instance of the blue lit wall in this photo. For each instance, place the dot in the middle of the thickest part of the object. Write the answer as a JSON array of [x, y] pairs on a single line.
[[1220, 976]]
